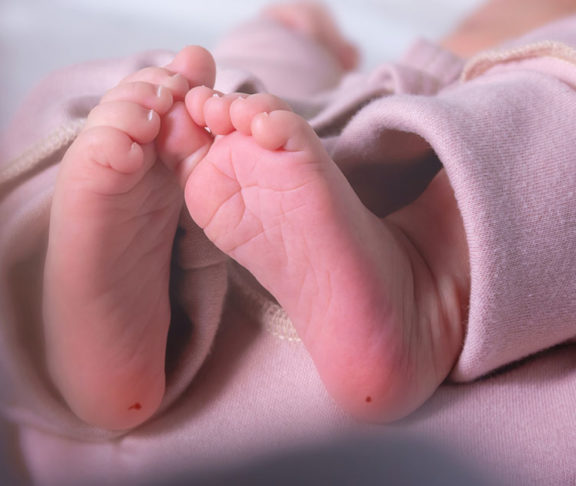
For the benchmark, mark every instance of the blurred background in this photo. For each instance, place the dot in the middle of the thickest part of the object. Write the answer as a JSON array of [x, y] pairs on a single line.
[[38, 36]]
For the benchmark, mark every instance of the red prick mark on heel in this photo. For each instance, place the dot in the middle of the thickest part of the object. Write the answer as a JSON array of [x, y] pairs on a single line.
[[136, 406], [368, 399]]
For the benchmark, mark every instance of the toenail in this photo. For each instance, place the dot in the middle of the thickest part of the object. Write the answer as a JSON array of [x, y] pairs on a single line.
[[159, 91], [150, 115], [216, 95]]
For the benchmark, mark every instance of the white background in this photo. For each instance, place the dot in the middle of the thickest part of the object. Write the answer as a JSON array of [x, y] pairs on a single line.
[[38, 36]]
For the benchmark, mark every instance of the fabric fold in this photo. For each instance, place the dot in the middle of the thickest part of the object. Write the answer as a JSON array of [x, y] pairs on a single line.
[[505, 140]]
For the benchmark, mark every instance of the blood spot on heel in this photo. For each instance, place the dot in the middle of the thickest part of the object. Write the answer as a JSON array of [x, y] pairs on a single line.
[[136, 406], [368, 399]]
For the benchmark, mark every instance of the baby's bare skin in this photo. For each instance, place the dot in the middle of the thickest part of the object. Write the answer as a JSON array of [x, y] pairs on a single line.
[[379, 304], [114, 215], [315, 21], [497, 21]]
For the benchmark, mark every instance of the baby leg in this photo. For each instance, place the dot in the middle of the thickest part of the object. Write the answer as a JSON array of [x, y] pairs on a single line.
[[498, 21]]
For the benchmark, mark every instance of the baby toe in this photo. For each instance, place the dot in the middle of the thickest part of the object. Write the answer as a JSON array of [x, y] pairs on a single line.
[[175, 82], [283, 130], [181, 142], [107, 147], [195, 101], [138, 122], [217, 113], [153, 97], [244, 109], [196, 64]]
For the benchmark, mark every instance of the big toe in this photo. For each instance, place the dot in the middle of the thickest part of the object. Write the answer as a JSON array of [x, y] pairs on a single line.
[[181, 143], [196, 64]]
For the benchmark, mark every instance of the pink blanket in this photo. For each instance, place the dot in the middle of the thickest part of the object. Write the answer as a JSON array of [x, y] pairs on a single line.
[[239, 381]]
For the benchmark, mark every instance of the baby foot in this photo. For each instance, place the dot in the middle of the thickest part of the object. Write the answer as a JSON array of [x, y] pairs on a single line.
[[114, 216], [314, 20], [381, 331]]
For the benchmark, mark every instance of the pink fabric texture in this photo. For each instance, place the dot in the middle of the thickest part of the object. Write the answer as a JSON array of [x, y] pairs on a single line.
[[503, 138], [502, 127]]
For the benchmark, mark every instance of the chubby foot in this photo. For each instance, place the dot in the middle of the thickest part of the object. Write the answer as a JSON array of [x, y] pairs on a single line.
[[381, 323], [314, 20], [114, 216]]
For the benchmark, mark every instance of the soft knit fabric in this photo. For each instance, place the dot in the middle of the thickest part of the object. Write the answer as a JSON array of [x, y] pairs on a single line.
[[502, 127]]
